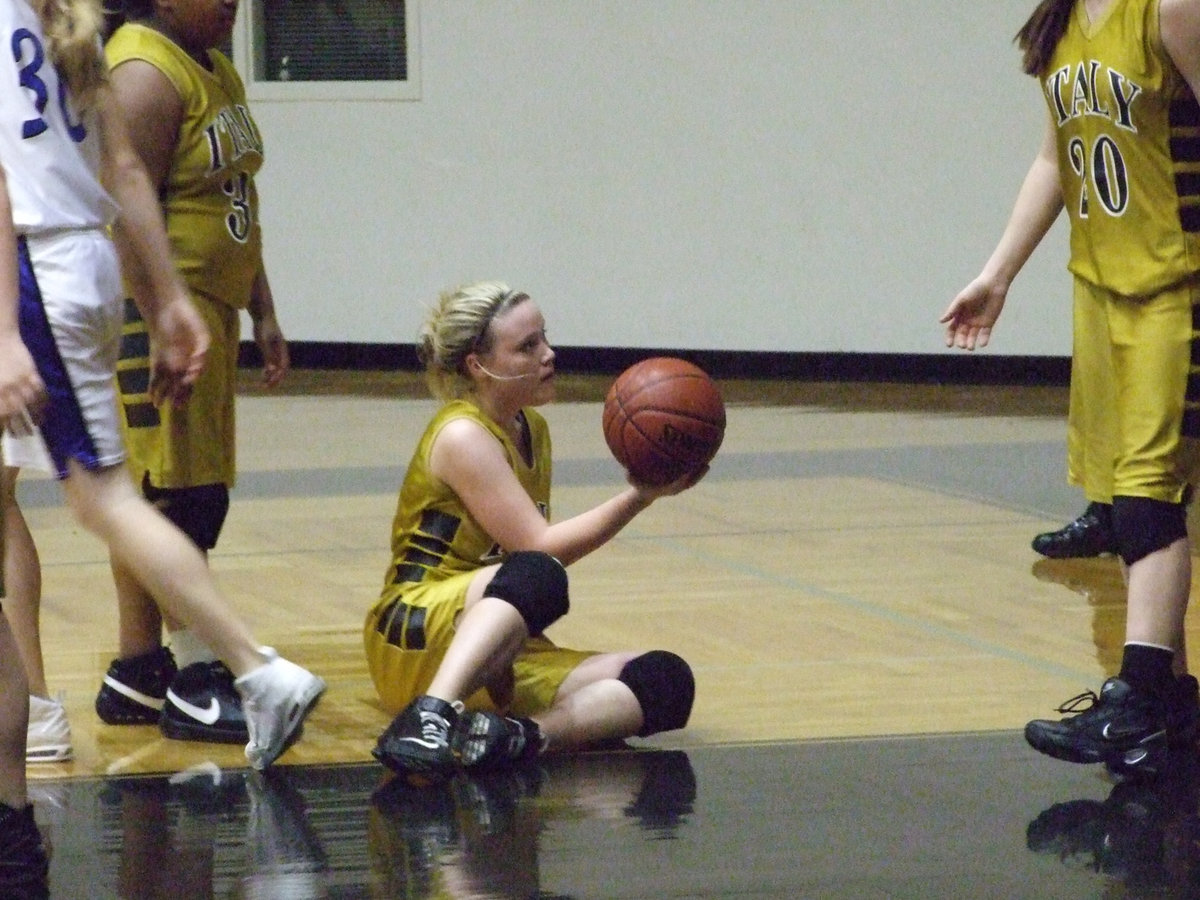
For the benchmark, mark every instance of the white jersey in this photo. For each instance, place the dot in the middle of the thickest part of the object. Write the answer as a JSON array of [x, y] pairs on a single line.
[[49, 153]]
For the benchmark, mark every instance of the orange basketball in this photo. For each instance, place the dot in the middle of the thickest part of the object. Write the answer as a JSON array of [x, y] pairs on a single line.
[[663, 418]]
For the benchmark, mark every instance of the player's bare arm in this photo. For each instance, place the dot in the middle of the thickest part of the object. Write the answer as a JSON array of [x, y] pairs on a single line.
[[473, 464], [973, 312], [267, 333], [1179, 22], [153, 112], [179, 340]]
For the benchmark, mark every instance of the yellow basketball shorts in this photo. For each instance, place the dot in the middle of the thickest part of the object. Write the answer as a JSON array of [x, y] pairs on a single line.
[[195, 444], [1134, 423], [409, 629]]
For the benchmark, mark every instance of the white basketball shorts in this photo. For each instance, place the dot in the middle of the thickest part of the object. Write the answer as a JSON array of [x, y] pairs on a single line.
[[71, 309]]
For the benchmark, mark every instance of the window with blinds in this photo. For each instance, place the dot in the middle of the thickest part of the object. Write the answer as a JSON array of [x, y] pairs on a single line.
[[331, 40], [331, 49]]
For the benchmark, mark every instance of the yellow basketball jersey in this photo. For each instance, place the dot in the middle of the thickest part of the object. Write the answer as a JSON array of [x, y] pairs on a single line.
[[1128, 150], [210, 200], [433, 535]]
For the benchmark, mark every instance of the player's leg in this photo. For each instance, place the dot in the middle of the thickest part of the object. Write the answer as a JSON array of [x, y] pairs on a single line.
[[176, 688], [500, 607], [23, 581], [134, 689], [429, 655], [1147, 707], [1158, 463], [277, 694], [70, 307], [24, 867], [14, 712], [191, 448], [1090, 449], [567, 699], [593, 704], [49, 733], [159, 555]]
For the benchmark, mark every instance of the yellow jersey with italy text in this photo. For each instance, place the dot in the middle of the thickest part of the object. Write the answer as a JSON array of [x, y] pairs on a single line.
[[1128, 150], [210, 200], [433, 534]]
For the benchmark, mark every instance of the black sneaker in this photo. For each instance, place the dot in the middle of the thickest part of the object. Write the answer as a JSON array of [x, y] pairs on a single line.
[[1089, 535], [1183, 727], [1123, 726], [135, 689], [203, 705], [24, 865], [418, 739], [486, 740]]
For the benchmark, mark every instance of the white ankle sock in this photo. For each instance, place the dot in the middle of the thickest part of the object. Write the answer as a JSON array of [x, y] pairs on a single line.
[[187, 648]]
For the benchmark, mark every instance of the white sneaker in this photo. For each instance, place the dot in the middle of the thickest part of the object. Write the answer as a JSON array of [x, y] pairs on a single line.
[[49, 735], [276, 697]]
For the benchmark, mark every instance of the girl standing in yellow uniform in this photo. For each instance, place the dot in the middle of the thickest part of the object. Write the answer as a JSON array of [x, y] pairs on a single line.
[[1121, 153], [200, 144]]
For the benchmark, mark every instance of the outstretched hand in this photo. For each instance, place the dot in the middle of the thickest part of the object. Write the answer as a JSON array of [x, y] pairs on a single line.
[[178, 345], [970, 316]]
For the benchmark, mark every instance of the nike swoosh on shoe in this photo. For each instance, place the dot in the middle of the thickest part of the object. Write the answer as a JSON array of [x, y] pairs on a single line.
[[421, 742], [207, 716], [137, 696], [1117, 734]]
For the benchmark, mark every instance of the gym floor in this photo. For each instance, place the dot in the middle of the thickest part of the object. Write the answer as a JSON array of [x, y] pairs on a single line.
[[852, 583]]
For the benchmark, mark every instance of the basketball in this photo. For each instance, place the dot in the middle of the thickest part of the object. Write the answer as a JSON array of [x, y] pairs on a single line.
[[663, 418]]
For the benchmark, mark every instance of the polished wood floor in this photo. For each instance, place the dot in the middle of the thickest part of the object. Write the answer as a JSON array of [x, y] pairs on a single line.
[[852, 582], [857, 563]]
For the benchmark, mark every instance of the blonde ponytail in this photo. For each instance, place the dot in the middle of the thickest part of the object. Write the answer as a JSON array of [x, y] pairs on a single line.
[[72, 29]]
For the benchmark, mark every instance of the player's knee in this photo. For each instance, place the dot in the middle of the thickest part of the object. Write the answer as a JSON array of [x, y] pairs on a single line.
[[199, 512], [664, 687], [1144, 526], [535, 584]]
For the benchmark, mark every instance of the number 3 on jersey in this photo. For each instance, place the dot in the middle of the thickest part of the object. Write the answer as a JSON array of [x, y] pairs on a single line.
[[30, 58]]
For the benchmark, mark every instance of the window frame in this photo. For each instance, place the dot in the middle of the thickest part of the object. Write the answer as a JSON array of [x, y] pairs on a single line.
[[249, 21]]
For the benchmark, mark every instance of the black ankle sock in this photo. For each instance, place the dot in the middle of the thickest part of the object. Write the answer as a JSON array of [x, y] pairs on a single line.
[[1102, 511], [1146, 667]]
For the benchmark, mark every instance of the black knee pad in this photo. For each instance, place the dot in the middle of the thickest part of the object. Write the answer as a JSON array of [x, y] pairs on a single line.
[[535, 584], [1143, 526], [665, 688], [199, 512]]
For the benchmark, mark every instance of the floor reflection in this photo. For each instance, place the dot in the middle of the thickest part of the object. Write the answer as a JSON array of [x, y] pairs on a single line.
[[1144, 837], [1101, 583], [478, 835], [969, 815], [204, 831]]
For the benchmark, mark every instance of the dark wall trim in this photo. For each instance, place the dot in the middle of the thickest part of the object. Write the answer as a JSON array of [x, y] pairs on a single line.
[[961, 368]]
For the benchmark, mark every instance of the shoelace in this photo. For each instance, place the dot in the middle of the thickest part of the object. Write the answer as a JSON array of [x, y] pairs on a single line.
[[433, 726], [1073, 705]]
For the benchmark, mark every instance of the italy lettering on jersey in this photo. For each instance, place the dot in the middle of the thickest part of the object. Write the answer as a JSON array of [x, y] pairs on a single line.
[[210, 200], [433, 534], [1128, 137], [50, 152]]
